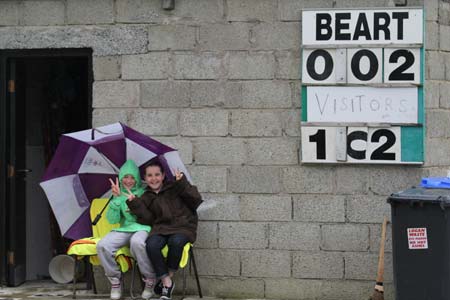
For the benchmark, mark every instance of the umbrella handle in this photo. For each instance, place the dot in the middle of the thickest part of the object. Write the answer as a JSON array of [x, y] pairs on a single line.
[[97, 218], [99, 215]]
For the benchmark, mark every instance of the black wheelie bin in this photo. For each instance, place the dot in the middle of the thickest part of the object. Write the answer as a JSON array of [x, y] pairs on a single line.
[[421, 243]]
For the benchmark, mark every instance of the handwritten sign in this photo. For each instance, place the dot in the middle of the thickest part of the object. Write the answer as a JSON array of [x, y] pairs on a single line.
[[362, 104]]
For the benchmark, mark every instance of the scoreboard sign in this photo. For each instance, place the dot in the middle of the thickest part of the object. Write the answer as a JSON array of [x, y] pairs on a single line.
[[363, 26], [362, 86]]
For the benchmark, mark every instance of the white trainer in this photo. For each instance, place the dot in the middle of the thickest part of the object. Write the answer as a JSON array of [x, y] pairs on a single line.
[[147, 293], [116, 292], [116, 288]]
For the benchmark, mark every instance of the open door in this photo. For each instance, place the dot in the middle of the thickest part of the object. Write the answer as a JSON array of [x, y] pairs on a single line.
[[43, 93], [16, 181], [3, 172]]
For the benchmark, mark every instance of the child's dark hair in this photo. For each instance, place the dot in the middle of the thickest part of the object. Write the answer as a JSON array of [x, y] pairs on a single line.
[[154, 163]]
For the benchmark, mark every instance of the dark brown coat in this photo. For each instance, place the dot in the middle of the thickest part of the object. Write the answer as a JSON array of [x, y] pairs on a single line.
[[172, 210]]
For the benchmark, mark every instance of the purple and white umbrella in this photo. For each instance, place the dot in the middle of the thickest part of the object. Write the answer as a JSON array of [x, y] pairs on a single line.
[[83, 163]]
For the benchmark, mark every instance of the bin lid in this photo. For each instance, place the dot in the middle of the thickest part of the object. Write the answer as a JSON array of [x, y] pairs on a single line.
[[421, 194], [436, 182]]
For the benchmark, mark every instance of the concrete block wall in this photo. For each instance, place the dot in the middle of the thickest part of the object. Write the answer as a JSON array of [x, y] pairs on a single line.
[[220, 81], [438, 113]]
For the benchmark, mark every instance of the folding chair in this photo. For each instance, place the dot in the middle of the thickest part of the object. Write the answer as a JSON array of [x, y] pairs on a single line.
[[87, 247]]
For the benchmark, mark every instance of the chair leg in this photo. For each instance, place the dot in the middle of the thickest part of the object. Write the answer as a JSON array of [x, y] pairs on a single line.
[[74, 280], [94, 285], [184, 283], [88, 273], [195, 272], [133, 273]]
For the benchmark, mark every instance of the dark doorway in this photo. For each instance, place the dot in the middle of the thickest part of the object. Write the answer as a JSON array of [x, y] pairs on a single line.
[[44, 94]]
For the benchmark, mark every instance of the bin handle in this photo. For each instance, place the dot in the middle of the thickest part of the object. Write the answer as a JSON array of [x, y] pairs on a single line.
[[412, 203], [441, 203]]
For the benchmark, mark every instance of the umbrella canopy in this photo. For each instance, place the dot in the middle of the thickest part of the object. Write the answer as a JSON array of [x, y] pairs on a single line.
[[85, 160]]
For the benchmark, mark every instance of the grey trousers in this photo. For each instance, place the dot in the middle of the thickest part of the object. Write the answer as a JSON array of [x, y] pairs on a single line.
[[113, 241]]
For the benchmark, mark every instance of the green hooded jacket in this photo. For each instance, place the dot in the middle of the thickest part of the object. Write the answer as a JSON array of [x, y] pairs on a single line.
[[118, 211]]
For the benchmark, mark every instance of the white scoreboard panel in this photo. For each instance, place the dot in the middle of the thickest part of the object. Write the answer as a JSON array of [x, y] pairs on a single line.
[[351, 144], [363, 26], [361, 66], [362, 104], [362, 86]]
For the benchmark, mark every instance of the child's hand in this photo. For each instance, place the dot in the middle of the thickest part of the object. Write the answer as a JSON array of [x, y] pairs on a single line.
[[115, 187], [130, 196], [178, 174]]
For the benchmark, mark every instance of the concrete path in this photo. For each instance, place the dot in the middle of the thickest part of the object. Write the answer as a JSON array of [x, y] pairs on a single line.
[[49, 290]]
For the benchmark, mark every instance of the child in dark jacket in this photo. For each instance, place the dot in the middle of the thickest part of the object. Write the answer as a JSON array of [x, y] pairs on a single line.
[[170, 208]]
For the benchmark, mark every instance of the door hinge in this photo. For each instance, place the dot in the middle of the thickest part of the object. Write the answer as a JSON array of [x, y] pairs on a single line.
[[12, 86], [11, 258], [11, 171]]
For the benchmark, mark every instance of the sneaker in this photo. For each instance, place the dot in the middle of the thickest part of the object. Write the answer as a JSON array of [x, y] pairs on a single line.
[[166, 293], [158, 288], [147, 293], [116, 291], [116, 288]]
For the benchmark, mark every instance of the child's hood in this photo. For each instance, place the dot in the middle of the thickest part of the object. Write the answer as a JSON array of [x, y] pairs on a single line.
[[130, 168]]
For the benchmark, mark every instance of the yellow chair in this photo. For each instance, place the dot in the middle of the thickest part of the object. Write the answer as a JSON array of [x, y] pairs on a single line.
[[87, 247], [188, 255]]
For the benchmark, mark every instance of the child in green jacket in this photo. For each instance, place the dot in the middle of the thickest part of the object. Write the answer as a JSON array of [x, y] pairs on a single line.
[[130, 233]]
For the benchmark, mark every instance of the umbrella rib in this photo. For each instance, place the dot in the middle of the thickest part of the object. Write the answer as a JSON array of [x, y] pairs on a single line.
[[102, 132]]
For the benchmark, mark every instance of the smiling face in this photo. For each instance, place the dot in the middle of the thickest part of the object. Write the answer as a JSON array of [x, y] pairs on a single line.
[[154, 177], [128, 181]]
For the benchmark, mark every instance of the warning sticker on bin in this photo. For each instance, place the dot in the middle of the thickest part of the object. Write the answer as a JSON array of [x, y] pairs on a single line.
[[417, 238]]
